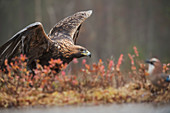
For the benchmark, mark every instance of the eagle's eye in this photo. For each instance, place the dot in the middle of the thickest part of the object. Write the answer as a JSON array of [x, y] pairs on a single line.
[[81, 50]]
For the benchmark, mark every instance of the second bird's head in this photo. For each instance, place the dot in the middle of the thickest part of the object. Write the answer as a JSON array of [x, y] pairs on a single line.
[[155, 66]]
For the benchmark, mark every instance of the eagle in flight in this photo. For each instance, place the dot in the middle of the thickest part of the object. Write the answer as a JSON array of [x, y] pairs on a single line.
[[60, 43]]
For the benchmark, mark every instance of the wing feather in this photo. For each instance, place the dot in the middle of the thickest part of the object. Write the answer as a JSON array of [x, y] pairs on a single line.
[[76, 34], [69, 27], [32, 41]]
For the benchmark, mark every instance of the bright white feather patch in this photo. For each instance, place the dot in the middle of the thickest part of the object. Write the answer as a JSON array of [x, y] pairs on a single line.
[[151, 68]]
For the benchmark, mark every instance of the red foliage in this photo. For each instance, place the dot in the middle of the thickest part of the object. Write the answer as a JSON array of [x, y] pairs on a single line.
[[136, 51], [20, 82], [119, 62]]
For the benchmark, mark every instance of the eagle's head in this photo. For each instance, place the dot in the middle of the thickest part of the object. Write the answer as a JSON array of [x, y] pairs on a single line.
[[79, 51], [69, 51]]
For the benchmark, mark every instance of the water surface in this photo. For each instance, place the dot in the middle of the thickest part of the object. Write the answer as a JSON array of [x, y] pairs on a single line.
[[113, 108]]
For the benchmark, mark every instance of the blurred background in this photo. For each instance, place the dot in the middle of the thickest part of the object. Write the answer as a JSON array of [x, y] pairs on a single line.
[[113, 29]]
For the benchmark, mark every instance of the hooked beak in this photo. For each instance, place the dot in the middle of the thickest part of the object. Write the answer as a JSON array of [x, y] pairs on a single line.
[[86, 53]]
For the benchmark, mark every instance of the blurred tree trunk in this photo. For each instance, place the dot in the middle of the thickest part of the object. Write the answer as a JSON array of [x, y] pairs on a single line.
[[38, 15], [51, 12], [114, 27], [150, 29]]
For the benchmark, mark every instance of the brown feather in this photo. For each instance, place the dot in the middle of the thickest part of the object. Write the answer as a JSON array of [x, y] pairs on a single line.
[[69, 26], [31, 41]]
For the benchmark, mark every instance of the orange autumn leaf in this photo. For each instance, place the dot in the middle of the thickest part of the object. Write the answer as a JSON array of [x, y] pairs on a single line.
[[133, 67], [100, 61], [87, 66], [6, 62], [23, 57], [146, 74], [75, 82]]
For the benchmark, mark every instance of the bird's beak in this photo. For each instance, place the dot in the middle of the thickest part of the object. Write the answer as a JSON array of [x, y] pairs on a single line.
[[147, 61], [86, 53]]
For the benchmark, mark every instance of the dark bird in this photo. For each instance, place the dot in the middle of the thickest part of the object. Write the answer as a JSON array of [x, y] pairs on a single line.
[[156, 75], [60, 43]]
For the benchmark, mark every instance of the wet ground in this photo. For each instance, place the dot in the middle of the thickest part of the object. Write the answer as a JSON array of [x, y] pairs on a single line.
[[113, 108]]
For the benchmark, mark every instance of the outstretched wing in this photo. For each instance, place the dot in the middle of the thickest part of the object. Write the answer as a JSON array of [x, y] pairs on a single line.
[[31, 41], [69, 27]]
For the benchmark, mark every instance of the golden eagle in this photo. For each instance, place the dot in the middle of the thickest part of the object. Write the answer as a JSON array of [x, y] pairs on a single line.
[[60, 43]]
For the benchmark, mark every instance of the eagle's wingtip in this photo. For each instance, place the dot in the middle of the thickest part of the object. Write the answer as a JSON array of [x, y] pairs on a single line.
[[36, 23], [89, 12]]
